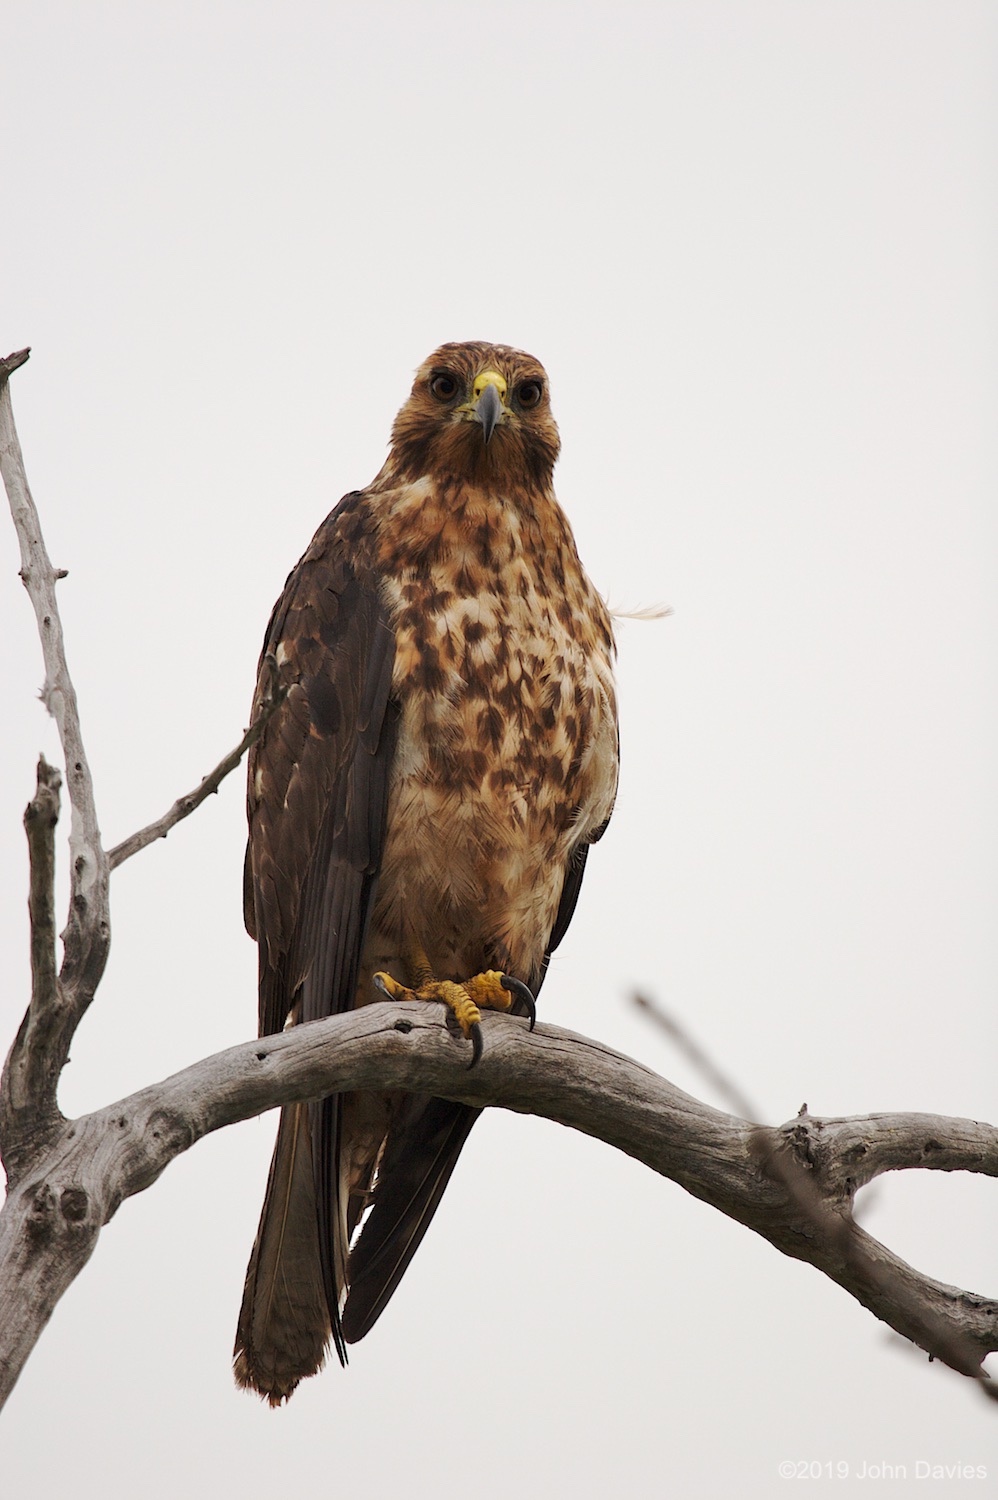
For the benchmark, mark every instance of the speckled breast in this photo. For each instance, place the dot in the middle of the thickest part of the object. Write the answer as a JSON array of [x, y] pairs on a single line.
[[507, 749]]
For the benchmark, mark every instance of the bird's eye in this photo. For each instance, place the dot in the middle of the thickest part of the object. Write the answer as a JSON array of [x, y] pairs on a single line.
[[529, 393], [443, 386]]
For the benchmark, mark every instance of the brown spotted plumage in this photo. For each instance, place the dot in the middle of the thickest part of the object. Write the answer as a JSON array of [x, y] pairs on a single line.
[[420, 808]]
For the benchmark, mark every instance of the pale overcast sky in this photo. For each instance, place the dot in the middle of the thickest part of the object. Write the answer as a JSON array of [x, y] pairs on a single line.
[[755, 246]]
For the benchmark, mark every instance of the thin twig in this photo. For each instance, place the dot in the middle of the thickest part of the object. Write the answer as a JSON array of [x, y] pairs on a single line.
[[691, 1049], [184, 806]]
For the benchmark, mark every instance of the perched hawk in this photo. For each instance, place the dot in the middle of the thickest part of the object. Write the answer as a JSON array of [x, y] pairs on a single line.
[[421, 806]]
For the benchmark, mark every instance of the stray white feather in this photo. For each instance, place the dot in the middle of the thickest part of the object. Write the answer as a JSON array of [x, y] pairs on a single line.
[[646, 612]]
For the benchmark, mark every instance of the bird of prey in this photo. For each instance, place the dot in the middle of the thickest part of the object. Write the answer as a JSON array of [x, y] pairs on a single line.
[[421, 804]]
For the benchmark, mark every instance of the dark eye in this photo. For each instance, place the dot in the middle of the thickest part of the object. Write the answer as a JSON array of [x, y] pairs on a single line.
[[529, 393], [443, 386]]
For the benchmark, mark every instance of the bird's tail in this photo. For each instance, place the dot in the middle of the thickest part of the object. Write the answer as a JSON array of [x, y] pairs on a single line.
[[284, 1325]]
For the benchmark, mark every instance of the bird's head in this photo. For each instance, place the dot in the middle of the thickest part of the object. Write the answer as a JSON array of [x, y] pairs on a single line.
[[479, 412]]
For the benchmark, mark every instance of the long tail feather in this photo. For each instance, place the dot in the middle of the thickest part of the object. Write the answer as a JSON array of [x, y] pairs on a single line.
[[284, 1326]]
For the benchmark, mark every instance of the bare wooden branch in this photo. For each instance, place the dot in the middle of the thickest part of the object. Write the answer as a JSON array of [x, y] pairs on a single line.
[[105, 1157], [87, 934], [29, 1112], [184, 806]]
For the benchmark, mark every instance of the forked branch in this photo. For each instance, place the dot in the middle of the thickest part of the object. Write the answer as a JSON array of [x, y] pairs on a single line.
[[105, 1157], [40, 1052]]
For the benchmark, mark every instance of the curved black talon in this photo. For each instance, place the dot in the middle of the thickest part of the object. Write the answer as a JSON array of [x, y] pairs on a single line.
[[519, 989], [476, 1044]]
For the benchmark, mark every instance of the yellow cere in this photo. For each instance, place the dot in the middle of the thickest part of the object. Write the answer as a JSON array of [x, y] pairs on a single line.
[[490, 377]]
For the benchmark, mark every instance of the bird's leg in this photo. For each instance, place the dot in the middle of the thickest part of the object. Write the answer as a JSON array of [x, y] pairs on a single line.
[[418, 967], [490, 990]]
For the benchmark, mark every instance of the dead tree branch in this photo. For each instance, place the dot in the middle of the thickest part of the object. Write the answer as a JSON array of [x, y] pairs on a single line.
[[53, 1218], [29, 1111], [87, 935]]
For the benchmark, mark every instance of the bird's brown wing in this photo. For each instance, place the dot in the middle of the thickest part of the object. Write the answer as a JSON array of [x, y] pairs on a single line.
[[318, 779], [424, 1141], [317, 803]]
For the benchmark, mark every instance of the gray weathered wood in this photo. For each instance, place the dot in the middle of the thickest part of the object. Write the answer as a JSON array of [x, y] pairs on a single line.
[[51, 1221]]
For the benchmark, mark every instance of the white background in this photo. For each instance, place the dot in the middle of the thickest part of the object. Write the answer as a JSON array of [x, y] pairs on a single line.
[[754, 245]]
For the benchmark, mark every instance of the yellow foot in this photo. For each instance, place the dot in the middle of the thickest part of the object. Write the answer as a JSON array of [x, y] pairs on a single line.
[[489, 991]]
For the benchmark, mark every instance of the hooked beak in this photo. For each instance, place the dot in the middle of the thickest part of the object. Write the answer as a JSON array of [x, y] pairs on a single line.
[[488, 410]]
